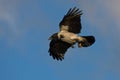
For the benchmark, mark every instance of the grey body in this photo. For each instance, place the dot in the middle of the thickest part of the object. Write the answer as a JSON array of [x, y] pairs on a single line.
[[69, 37]]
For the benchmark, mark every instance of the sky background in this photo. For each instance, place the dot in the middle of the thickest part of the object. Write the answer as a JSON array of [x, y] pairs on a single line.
[[25, 26]]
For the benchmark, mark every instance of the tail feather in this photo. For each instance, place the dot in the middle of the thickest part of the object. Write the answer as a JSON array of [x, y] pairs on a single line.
[[87, 41]]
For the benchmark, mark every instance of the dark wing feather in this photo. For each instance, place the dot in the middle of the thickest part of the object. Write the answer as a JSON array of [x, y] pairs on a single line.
[[72, 20], [89, 40], [58, 48]]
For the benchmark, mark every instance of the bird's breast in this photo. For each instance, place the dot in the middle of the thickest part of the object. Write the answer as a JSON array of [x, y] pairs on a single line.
[[68, 37]]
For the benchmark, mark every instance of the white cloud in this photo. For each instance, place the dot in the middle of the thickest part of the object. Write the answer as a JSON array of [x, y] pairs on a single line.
[[8, 13], [9, 30]]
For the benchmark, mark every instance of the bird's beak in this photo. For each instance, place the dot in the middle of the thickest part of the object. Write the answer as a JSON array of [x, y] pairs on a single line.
[[49, 38]]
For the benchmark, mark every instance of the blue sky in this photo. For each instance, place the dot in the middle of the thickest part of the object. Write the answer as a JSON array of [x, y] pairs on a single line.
[[25, 26]]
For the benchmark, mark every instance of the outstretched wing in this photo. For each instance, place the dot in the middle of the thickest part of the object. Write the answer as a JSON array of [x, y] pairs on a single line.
[[58, 48], [71, 21]]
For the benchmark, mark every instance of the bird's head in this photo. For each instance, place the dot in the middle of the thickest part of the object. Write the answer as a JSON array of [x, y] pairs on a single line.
[[54, 36]]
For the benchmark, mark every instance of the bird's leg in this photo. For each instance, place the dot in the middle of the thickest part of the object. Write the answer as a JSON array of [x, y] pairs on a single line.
[[80, 45], [82, 42]]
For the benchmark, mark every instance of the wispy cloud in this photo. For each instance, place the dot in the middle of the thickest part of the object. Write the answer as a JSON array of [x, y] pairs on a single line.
[[102, 13], [8, 14]]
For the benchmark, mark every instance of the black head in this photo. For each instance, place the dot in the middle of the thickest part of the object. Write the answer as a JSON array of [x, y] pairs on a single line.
[[54, 36]]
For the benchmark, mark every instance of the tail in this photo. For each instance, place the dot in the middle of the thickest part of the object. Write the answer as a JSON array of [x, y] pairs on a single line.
[[86, 41]]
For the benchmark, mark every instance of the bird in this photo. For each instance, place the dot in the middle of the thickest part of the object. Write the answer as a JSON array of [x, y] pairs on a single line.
[[70, 27]]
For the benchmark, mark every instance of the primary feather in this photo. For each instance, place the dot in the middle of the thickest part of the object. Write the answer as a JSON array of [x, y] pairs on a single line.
[[72, 20]]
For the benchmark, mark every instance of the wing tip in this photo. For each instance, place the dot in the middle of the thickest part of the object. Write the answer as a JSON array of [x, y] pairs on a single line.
[[74, 11], [57, 56]]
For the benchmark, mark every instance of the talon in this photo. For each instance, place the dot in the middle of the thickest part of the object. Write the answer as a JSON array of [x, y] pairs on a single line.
[[80, 45]]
